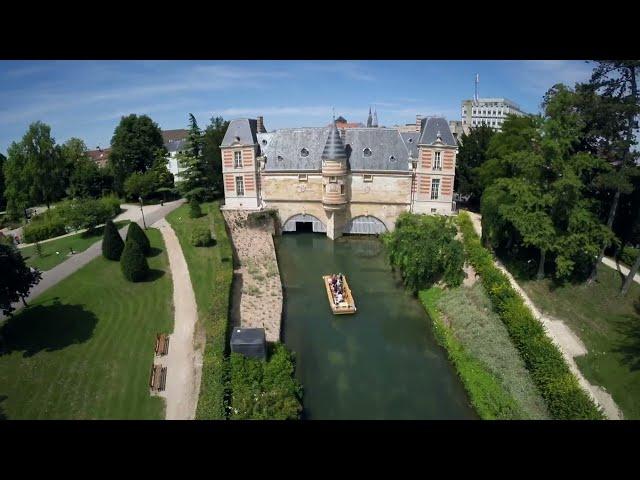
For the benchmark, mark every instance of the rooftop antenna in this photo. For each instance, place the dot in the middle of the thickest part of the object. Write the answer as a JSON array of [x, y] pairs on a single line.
[[475, 96]]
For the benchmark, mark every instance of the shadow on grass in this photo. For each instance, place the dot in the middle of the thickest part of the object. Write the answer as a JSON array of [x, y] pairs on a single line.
[[153, 275], [154, 252], [629, 330], [2, 414], [47, 328]]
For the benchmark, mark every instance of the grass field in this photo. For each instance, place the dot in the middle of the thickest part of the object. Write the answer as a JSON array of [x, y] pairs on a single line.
[[49, 258], [84, 348], [609, 326], [211, 272]]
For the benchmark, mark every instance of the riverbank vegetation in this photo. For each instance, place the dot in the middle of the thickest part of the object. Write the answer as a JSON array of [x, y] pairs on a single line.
[[83, 349], [558, 386]]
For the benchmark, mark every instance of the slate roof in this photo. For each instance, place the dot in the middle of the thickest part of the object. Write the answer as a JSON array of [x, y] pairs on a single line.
[[384, 143], [411, 142], [176, 145], [244, 128], [430, 127], [288, 143], [333, 147]]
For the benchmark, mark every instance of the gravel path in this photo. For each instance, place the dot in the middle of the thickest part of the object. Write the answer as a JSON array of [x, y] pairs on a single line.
[[77, 261], [610, 262], [567, 342], [183, 361]]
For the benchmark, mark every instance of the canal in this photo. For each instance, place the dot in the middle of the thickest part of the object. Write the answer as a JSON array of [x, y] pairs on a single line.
[[381, 363]]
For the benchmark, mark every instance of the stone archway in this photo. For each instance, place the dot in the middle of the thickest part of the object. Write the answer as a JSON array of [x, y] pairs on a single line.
[[365, 225], [291, 225]]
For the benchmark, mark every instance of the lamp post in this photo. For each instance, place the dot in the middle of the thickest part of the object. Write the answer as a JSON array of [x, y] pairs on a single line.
[[143, 222]]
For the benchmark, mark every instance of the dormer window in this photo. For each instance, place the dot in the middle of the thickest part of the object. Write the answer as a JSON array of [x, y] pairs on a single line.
[[280, 158], [366, 152], [304, 152], [392, 158], [237, 139], [264, 143], [411, 140]]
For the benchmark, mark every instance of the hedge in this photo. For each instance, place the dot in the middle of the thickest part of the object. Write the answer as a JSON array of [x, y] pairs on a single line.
[[559, 388], [201, 236], [42, 230], [487, 395], [214, 387]]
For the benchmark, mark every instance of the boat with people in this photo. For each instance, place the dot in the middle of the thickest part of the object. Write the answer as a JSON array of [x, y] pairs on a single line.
[[339, 294]]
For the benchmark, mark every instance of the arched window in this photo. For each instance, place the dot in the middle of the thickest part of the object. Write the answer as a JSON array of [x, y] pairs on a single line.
[[366, 152]]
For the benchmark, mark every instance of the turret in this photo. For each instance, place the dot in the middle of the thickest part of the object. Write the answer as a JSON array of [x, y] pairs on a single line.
[[334, 171]]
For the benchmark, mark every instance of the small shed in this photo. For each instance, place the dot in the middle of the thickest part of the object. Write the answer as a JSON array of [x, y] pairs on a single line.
[[250, 342]]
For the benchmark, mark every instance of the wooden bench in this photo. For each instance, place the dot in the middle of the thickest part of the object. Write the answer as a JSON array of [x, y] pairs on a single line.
[[162, 344], [158, 378]]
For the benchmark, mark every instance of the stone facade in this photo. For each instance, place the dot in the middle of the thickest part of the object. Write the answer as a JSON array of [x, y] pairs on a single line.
[[358, 181]]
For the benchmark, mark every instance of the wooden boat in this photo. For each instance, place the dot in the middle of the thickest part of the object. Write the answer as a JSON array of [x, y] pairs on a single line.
[[345, 307]]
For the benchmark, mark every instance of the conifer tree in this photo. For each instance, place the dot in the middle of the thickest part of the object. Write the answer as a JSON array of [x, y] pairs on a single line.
[[112, 243], [133, 262], [136, 234]]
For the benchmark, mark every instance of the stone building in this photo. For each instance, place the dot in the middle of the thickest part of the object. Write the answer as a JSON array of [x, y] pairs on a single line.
[[340, 181]]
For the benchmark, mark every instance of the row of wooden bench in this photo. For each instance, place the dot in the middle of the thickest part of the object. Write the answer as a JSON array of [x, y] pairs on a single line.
[[158, 378]]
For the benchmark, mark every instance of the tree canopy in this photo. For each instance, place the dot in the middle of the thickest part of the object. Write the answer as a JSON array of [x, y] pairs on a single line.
[[17, 278], [472, 155]]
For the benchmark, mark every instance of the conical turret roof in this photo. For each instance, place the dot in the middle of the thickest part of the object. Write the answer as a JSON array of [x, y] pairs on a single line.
[[334, 147]]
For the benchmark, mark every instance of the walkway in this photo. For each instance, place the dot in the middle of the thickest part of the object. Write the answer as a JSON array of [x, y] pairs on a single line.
[[610, 262], [183, 361], [567, 342], [257, 288], [77, 261]]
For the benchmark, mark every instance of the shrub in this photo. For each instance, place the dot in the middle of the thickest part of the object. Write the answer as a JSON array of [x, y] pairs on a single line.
[[136, 234], [133, 262], [201, 236], [628, 255], [112, 243], [42, 230], [111, 204], [194, 208], [559, 388]]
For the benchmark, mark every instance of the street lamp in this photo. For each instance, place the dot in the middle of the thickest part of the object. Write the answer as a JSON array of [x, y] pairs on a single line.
[[141, 209]]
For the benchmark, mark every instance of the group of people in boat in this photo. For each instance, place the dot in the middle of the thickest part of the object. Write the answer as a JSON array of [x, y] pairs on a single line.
[[336, 282]]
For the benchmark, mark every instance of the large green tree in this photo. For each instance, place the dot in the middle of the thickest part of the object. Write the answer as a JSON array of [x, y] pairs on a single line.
[[136, 146], [211, 154], [16, 183], [44, 167], [472, 154], [16, 280], [3, 160], [195, 180]]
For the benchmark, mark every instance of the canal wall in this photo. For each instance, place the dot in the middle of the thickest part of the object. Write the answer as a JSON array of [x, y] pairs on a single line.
[[257, 288]]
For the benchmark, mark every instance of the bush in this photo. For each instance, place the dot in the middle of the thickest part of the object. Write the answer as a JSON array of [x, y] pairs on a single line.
[[111, 204], [194, 208], [42, 230], [133, 262], [201, 236], [112, 243], [628, 255], [559, 388], [136, 234]]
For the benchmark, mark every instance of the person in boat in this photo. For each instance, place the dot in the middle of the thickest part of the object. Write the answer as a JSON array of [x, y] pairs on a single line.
[[340, 298]]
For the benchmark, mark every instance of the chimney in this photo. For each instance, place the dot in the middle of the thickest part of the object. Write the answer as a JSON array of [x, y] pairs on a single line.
[[260, 126], [418, 121]]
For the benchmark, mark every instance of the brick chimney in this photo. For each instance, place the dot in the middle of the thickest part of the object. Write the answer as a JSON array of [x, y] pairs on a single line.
[[418, 122], [260, 125]]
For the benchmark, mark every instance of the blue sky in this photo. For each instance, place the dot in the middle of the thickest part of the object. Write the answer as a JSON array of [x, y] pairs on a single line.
[[86, 99]]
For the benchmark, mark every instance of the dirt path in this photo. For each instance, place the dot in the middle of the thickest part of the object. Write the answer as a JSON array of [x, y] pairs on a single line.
[[257, 289], [610, 262], [183, 361], [567, 342]]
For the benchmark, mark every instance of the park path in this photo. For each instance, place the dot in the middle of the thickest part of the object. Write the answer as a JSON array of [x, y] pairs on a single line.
[[610, 262], [562, 336], [77, 261], [183, 360]]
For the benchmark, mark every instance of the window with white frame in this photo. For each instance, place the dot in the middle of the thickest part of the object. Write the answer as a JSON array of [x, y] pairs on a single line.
[[237, 159], [239, 186], [367, 178], [435, 188], [437, 161], [302, 177]]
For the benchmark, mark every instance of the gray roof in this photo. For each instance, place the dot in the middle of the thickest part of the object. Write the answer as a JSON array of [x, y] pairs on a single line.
[[430, 128], [283, 148], [243, 128], [334, 148], [247, 336], [176, 145], [411, 142], [384, 143]]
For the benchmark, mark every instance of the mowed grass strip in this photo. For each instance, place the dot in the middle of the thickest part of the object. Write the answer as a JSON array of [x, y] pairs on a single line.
[[57, 251], [608, 325], [211, 272], [84, 348]]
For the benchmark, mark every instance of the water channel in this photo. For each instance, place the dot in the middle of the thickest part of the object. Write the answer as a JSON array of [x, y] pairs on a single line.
[[381, 363]]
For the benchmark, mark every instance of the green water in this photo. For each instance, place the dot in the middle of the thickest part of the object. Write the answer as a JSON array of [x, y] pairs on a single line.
[[381, 363]]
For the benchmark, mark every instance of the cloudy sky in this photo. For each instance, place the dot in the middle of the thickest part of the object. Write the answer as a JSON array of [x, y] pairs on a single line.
[[86, 99]]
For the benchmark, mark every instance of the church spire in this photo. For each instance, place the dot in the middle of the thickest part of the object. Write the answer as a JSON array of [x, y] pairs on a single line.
[[375, 118], [369, 118]]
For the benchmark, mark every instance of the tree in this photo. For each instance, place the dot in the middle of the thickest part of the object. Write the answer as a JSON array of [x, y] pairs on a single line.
[[3, 160], [112, 243], [193, 177], [194, 208], [16, 280], [44, 166], [16, 182], [211, 154], [140, 184], [136, 146], [472, 154], [136, 234], [83, 176], [133, 262]]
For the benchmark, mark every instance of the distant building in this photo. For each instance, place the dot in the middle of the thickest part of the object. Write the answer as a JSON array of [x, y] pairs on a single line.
[[488, 111], [457, 129], [341, 122], [100, 156]]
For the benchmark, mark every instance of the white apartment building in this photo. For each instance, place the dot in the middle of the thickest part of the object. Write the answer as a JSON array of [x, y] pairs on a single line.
[[490, 111]]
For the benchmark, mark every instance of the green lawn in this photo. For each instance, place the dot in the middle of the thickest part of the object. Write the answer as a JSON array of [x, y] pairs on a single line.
[[84, 348], [211, 272], [57, 251], [609, 326]]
